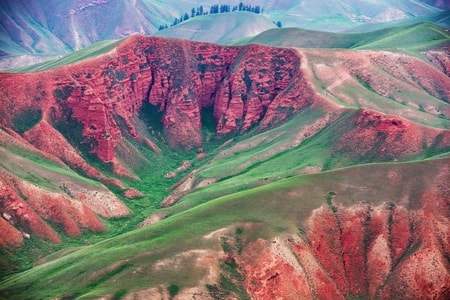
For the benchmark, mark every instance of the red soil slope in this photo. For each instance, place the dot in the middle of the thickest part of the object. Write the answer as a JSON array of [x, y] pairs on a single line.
[[385, 251], [98, 101], [377, 136], [26, 207]]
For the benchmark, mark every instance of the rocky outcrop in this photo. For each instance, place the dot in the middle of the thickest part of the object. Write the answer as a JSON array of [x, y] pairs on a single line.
[[413, 71], [74, 208], [22, 213], [37, 189], [170, 85], [374, 136], [47, 139]]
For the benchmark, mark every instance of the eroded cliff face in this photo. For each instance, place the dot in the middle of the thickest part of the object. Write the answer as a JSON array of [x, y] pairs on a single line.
[[245, 86], [38, 190]]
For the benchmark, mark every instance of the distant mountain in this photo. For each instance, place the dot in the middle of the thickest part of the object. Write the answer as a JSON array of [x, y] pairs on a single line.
[[33, 30], [440, 18], [340, 15]]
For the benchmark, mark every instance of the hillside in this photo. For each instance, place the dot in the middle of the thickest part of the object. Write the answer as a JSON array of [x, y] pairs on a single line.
[[440, 18], [220, 152], [416, 36], [221, 28]]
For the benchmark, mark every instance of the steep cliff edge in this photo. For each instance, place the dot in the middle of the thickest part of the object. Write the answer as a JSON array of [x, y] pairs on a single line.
[[245, 86]]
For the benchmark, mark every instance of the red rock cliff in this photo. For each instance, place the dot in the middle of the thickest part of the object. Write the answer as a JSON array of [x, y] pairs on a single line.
[[244, 86]]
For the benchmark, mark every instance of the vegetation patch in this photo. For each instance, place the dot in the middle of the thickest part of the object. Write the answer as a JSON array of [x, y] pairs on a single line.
[[119, 294], [27, 119], [173, 290], [64, 93]]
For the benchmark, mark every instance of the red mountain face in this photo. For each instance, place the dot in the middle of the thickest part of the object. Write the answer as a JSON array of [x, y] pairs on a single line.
[[247, 86], [98, 101], [175, 84]]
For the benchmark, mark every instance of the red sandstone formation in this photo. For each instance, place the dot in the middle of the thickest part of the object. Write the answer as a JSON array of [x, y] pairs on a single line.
[[47, 139], [95, 102], [415, 72], [28, 206], [22, 213], [375, 135], [74, 214], [245, 86], [10, 237]]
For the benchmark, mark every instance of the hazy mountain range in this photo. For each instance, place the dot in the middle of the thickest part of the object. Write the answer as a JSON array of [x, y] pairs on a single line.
[[33, 31]]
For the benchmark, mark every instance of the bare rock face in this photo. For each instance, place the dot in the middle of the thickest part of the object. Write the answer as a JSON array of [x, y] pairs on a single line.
[[10, 236], [22, 213], [34, 196], [30, 206], [244, 86]]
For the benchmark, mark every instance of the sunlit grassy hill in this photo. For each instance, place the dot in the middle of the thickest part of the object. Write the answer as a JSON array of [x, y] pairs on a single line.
[[414, 36]]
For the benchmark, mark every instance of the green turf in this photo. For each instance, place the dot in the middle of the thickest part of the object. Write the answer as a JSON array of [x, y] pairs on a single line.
[[80, 55], [416, 36]]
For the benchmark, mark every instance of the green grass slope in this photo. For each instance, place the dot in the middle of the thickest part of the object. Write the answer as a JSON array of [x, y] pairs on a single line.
[[219, 28], [402, 37], [285, 151], [134, 258], [83, 54]]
